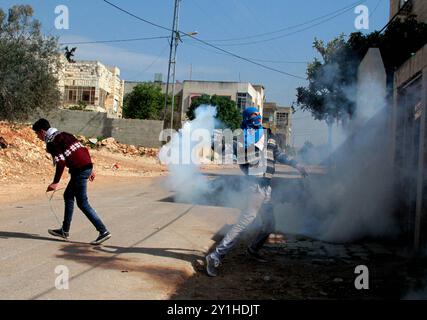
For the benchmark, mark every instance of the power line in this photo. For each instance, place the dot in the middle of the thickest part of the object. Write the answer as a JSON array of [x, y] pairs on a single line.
[[346, 8], [111, 41], [376, 7], [207, 44], [281, 61], [153, 62], [290, 33], [136, 17], [261, 22], [254, 59], [247, 60]]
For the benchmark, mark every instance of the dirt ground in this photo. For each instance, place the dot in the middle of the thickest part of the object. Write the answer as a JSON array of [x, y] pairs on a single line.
[[298, 268], [26, 169], [303, 274]]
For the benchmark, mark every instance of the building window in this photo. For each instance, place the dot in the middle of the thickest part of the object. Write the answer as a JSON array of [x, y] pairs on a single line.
[[243, 99], [75, 94], [282, 119], [86, 95], [72, 95]]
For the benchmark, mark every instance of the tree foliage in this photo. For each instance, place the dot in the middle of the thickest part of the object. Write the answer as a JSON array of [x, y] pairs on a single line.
[[227, 111], [327, 93], [331, 90], [28, 62], [146, 101]]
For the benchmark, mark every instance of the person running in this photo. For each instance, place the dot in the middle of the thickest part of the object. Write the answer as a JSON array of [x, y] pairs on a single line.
[[67, 151], [260, 152]]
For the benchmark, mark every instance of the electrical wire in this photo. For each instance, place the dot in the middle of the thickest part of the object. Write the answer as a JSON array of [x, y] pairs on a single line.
[[136, 17], [153, 62], [111, 41], [340, 11], [290, 33], [207, 44]]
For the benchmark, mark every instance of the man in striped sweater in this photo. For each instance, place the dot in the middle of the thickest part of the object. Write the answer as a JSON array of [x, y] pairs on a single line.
[[67, 151], [257, 154]]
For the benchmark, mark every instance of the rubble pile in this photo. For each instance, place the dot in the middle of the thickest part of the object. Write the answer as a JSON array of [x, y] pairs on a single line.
[[21, 153], [112, 145]]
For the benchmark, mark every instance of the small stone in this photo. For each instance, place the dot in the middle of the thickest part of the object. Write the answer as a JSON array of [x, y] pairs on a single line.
[[267, 278]]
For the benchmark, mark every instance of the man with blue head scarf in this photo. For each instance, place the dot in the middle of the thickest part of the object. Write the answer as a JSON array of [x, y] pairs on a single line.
[[252, 126], [257, 152]]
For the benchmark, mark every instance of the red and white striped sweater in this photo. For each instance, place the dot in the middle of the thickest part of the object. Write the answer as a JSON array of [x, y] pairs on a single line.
[[67, 151]]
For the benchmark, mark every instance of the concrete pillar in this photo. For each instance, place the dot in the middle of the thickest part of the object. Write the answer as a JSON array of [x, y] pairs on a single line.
[[420, 206], [371, 85]]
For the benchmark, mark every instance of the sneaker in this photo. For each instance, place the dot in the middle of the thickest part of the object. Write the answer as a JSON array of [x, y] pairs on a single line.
[[212, 264], [59, 233], [256, 255], [102, 237]]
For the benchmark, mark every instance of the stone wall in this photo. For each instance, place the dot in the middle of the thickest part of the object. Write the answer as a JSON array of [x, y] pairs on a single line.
[[95, 124]]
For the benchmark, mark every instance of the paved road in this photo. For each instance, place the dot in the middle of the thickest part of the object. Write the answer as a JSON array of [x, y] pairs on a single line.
[[151, 252]]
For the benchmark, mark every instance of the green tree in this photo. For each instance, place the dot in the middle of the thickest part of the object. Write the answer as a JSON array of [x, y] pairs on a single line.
[[331, 89], [227, 111], [28, 62], [331, 86], [329, 82], [146, 101], [398, 43]]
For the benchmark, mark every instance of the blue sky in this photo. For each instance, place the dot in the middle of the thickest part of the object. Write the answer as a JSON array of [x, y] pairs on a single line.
[[92, 20]]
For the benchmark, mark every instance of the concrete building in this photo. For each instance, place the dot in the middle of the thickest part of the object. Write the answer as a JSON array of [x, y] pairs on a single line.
[[417, 7], [410, 135], [279, 120], [92, 85], [410, 150], [243, 93]]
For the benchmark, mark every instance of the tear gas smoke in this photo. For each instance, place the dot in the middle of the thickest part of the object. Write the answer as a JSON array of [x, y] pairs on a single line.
[[354, 200]]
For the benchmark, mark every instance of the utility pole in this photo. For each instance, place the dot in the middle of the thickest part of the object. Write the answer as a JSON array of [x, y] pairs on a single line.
[[172, 60]]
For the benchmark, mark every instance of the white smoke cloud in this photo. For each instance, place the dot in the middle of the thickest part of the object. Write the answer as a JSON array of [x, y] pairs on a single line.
[[181, 157], [355, 199]]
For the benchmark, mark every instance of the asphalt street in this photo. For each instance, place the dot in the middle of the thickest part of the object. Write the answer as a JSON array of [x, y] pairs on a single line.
[[154, 245]]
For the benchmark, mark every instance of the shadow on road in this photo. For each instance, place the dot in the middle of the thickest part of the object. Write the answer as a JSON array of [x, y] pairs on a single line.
[[164, 274], [175, 253], [21, 235]]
